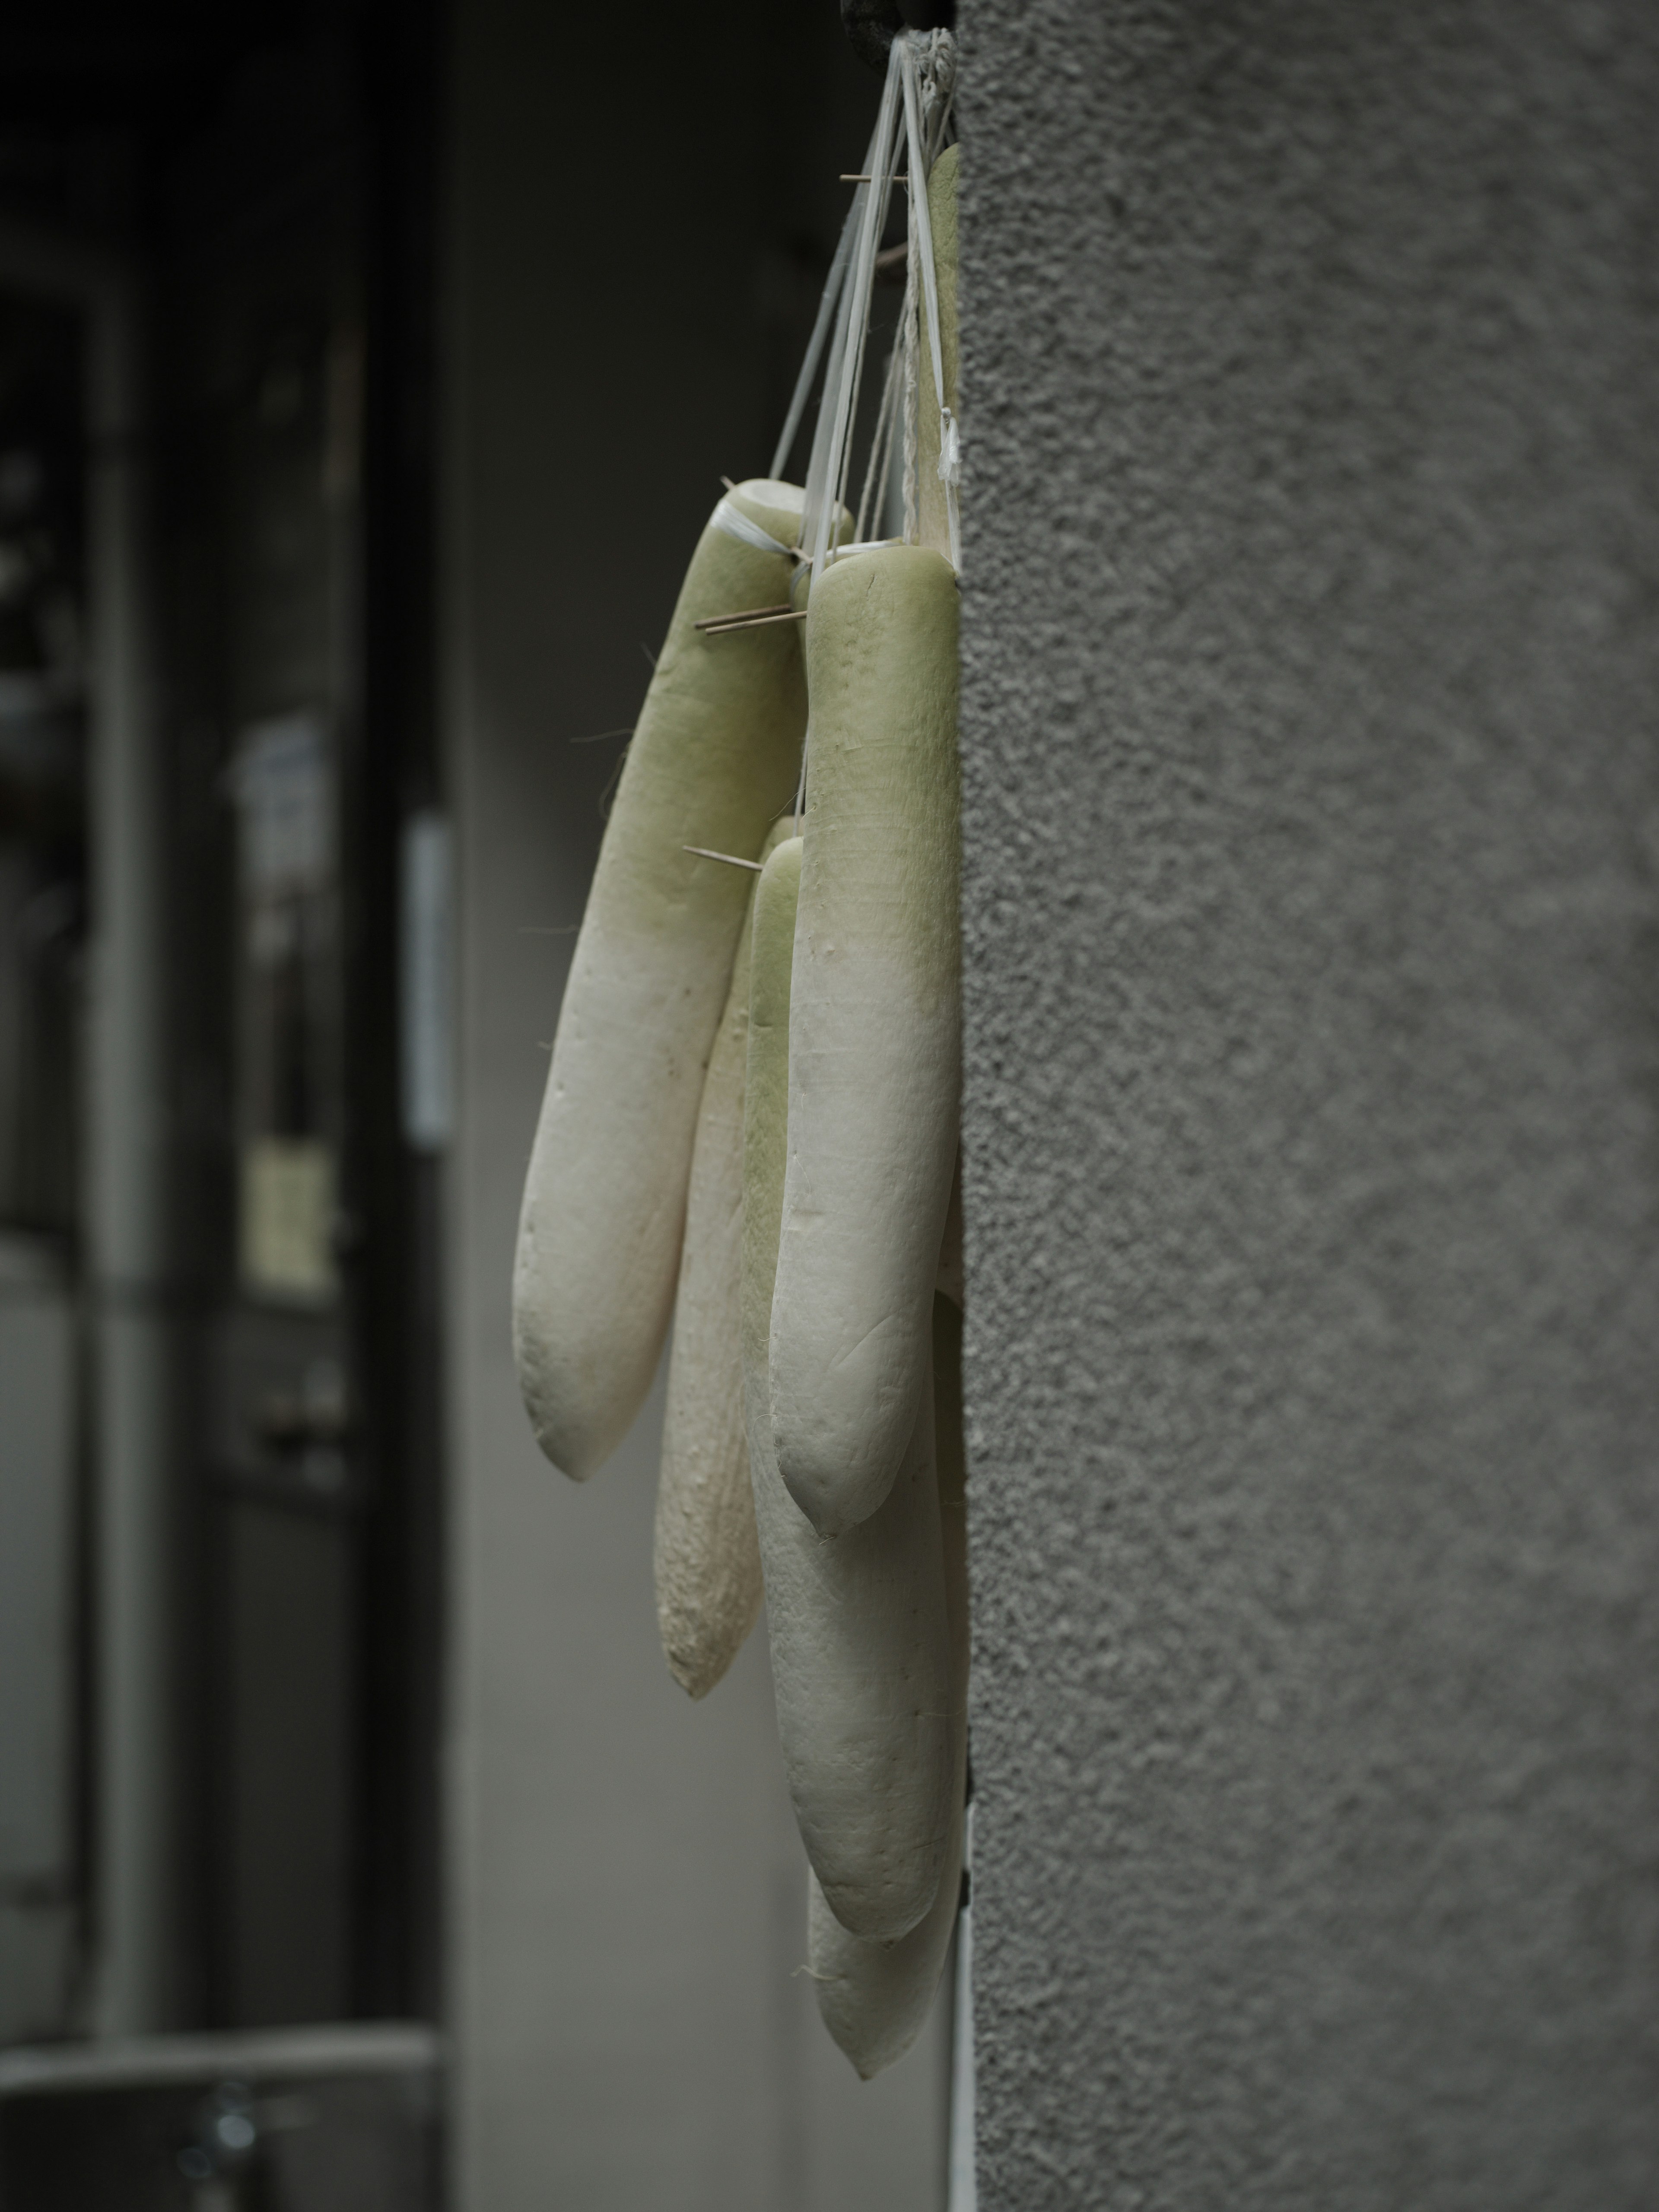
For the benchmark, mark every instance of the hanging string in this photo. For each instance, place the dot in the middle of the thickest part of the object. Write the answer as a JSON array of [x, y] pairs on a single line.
[[936, 62], [920, 74], [881, 446], [827, 306], [852, 416], [920, 81], [836, 307], [858, 380], [826, 478], [730, 517], [949, 468], [818, 465]]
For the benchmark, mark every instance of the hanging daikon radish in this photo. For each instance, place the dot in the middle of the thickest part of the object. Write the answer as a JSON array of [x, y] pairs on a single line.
[[707, 1556], [714, 760], [858, 1626], [874, 1998], [874, 1057]]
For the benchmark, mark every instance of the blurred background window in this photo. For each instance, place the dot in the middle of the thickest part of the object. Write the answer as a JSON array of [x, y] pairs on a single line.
[[43, 859], [42, 759], [220, 1417]]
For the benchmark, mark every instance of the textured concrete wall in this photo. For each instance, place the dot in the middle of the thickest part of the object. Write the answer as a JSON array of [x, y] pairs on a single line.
[[1312, 896]]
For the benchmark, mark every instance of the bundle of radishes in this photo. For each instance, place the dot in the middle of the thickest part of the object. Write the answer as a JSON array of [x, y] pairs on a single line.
[[750, 1124]]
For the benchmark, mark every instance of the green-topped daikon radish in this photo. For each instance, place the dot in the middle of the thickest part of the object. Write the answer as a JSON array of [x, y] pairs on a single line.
[[713, 761], [874, 1998], [857, 1623], [875, 1047], [933, 526], [707, 1556]]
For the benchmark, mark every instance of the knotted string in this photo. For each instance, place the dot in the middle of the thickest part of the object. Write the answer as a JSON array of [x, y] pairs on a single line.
[[736, 524]]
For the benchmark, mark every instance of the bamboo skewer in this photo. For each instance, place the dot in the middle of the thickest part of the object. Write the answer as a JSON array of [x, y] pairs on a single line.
[[717, 625], [705, 853]]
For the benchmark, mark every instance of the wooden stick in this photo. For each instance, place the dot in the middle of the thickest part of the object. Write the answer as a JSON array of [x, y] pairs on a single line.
[[731, 859], [718, 622], [900, 177], [759, 621], [718, 625]]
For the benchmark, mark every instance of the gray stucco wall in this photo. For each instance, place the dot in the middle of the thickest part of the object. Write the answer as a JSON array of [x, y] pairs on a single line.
[[1312, 838]]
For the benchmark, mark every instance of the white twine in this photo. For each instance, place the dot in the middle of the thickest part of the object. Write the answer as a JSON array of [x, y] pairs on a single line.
[[825, 477], [920, 77], [950, 446], [860, 545], [827, 306], [881, 446], [736, 524]]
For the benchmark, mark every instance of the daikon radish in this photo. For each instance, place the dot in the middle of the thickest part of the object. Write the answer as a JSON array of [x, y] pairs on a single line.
[[875, 1047], [858, 1626], [707, 1556], [713, 761], [874, 1998]]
